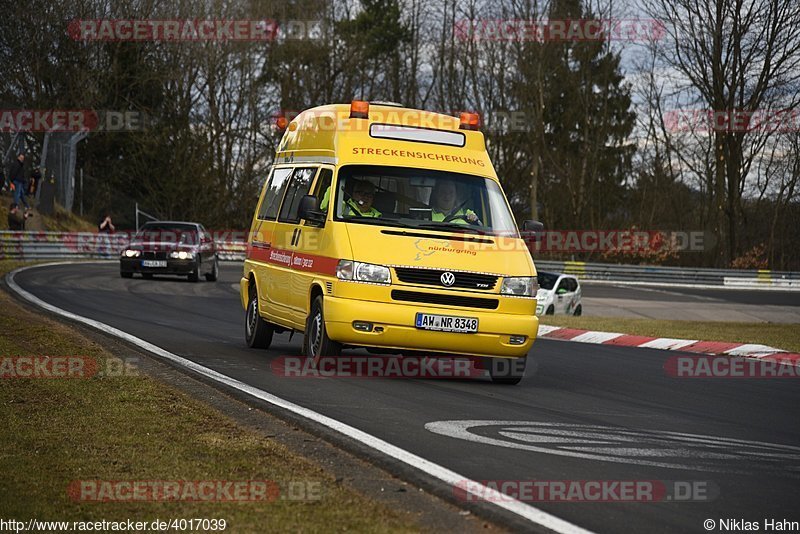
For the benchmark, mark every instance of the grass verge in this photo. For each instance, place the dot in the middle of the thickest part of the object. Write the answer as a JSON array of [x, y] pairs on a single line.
[[781, 336], [61, 220], [125, 426]]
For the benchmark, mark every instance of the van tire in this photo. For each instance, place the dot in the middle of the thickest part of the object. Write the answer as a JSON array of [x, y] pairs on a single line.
[[257, 332], [316, 341], [550, 310], [507, 371], [578, 311]]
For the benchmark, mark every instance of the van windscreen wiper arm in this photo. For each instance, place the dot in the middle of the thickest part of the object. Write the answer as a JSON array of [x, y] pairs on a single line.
[[451, 226], [369, 220]]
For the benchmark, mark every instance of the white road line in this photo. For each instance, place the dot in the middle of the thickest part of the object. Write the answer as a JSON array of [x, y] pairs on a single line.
[[443, 474], [751, 348], [668, 343], [547, 329], [596, 337]]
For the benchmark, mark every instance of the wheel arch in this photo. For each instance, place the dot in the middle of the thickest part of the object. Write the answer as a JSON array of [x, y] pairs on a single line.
[[314, 291]]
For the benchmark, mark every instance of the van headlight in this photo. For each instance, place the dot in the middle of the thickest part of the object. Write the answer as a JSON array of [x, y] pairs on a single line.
[[520, 286], [363, 272], [181, 255], [130, 253]]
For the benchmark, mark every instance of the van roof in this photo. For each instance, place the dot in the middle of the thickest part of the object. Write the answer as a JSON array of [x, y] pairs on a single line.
[[327, 134]]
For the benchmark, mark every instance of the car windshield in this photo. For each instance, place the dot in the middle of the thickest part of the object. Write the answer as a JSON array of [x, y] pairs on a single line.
[[421, 198], [547, 280], [168, 232]]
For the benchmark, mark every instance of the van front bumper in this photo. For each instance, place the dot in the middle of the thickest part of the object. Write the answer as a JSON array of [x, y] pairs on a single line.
[[398, 330]]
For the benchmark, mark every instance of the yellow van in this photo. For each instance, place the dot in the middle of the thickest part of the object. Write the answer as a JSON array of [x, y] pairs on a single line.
[[386, 228]]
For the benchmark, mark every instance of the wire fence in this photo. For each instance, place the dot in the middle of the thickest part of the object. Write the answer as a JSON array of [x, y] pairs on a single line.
[[57, 162]]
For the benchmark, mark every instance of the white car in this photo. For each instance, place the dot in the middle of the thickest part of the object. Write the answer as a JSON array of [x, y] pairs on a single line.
[[558, 293]]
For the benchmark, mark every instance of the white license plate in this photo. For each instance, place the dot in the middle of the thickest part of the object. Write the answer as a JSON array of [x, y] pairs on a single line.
[[154, 263], [447, 323]]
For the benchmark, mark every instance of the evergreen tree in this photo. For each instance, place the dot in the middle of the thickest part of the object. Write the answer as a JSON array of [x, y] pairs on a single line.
[[580, 108]]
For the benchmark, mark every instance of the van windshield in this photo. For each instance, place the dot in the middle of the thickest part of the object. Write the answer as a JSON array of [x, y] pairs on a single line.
[[422, 198]]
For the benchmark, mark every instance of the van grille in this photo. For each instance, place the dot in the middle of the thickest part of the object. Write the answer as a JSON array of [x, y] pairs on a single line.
[[446, 300], [432, 277]]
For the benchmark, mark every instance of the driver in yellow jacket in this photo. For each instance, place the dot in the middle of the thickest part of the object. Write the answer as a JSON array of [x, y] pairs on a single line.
[[443, 201]]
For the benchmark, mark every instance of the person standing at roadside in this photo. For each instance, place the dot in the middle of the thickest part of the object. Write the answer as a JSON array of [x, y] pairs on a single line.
[[105, 226], [17, 179]]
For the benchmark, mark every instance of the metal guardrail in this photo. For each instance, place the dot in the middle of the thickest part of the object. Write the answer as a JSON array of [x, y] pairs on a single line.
[[672, 275], [86, 245]]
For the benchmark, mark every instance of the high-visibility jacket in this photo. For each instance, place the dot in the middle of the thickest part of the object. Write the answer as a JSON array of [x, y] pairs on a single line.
[[459, 217], [350, 207]]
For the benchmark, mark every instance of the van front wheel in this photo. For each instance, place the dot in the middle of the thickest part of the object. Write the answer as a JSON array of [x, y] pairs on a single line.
[[258, 332], [507, 371], [317, 342]]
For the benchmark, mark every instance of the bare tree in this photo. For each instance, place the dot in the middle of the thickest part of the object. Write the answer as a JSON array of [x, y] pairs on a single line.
[[733, 56]]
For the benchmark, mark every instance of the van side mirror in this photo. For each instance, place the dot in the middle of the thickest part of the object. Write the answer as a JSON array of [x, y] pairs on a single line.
[[309, 210], [533, 228]]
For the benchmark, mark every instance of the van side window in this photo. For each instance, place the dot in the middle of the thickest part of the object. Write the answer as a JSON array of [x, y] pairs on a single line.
[[276, 186], [298, 188], [323, 188]]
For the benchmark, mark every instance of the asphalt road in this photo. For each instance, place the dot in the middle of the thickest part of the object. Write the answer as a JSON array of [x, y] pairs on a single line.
[[588, 412], [690, 303], [692, 294]]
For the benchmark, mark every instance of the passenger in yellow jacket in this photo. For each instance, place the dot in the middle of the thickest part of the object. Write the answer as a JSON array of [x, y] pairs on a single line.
[[359, 205]]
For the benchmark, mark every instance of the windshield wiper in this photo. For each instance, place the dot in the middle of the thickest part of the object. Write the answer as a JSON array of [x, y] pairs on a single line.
[[369, 220], [452, 226]]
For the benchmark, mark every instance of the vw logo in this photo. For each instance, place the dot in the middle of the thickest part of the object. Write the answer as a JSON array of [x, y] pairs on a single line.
[[448, 278]]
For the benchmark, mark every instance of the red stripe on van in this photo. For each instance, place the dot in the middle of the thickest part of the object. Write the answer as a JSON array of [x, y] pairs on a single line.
[[298, 261]]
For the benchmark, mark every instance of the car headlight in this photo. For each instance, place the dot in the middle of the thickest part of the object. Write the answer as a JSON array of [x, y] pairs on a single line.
[[181, 255], [363, 272], [520, 286], [129, 253]]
